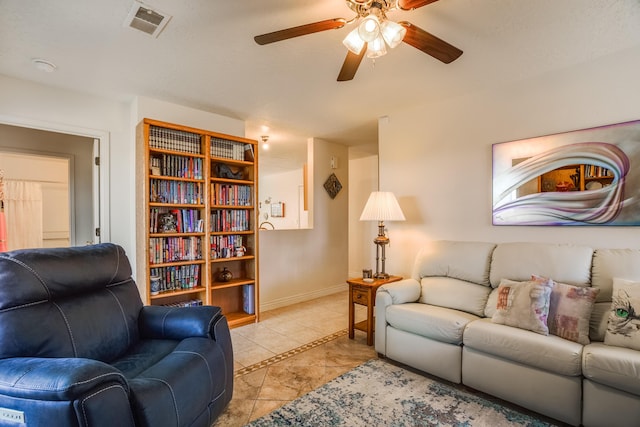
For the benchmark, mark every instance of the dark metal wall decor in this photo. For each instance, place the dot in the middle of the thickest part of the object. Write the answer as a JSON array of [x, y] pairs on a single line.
[[332, 185]]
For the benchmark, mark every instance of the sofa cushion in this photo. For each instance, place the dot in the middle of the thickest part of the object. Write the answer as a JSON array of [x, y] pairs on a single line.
[[612, 366], [524, 305], [550, 353], [570, 310], [610, 263], [438, 323], [562, 262], [467, 261], [454, 293], [623, 328]]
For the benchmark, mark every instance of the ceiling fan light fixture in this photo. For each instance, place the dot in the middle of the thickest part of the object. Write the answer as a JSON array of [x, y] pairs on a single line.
[[376, 48], [393, 33], [369, 28], [354, 42]]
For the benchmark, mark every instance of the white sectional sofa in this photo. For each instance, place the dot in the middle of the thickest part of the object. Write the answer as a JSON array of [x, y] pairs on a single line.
[[443, 321]]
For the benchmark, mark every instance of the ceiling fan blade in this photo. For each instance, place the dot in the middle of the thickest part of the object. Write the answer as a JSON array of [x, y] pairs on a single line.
[[413, 4], [351, 64], [430, 44], [289, 33]]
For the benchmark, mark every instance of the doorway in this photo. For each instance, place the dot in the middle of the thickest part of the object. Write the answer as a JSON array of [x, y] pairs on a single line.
[[64, 166]]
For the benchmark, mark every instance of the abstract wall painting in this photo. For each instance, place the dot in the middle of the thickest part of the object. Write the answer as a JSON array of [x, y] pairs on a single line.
[[583, 177]]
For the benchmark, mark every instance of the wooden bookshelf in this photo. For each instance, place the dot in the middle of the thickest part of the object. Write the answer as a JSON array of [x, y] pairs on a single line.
[[579, 177], [196, 216]]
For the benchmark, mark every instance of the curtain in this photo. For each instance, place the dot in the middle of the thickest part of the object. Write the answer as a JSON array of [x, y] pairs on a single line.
[[23, 212]]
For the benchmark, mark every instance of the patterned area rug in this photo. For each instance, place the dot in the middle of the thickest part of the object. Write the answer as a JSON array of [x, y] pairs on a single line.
[[378, 393]]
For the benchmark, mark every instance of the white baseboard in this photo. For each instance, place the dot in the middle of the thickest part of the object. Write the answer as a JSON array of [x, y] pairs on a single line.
[[294, 299]]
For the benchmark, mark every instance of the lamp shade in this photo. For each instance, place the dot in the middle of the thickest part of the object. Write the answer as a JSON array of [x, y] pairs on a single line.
[[382, 206], [393, 33], [353, 42], [376, 48], [369, 28]]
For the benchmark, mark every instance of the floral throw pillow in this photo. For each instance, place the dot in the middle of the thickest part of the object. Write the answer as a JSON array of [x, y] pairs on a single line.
[[570, 310], [623, 327], [524, 305]]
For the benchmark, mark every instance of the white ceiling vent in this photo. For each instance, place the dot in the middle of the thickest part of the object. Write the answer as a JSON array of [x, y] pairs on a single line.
[[146, 19]]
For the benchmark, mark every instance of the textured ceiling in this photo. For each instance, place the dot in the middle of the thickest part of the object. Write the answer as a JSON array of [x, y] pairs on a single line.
[[206, 57]]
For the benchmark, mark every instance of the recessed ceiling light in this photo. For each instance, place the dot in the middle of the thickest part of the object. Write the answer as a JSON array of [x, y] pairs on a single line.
[[42, 65]]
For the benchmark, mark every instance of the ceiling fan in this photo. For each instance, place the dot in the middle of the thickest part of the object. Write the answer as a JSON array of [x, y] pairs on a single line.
[[372, 34]]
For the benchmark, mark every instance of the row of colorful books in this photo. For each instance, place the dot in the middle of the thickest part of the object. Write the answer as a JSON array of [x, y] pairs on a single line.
[[173, 249], [163, 220], [174, 140], [230, 194], [224, 220], [225, 246], [188, 193], [177, 277], [178, 166]]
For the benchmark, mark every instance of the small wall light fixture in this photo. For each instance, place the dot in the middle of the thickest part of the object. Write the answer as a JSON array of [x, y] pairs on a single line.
[[265, 142]]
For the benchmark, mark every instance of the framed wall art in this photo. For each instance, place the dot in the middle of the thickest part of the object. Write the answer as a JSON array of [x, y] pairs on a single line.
[[583, 177], [277, 209]]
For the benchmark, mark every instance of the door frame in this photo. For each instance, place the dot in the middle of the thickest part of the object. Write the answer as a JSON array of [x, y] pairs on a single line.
[[101, 146]]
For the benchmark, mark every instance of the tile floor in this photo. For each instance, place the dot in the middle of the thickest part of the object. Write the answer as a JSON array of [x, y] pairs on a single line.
[[290, 352]]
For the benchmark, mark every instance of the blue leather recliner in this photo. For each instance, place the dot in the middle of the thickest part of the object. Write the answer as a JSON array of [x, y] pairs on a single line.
[[78, 348]]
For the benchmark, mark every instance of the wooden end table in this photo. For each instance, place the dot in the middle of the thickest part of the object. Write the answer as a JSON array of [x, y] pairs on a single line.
[[364, 293]]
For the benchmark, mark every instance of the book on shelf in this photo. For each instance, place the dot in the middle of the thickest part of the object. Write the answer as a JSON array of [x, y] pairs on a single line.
[[593, 171], [248, 153], [165, 220], [248, 299], [174, 249], [190, 303], [174, 140], [225, 220], [178, 166], [177, 192], [225, 246], [227, 149], [230, 194], [173, 278]]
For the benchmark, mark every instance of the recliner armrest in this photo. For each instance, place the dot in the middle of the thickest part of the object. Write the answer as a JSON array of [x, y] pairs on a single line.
[[59, 379], [177, 323], [404, 291]]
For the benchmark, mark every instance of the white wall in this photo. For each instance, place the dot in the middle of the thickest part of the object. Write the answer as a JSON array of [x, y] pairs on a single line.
[[149, 108], [298, 265], [363, 179], [440, 169]]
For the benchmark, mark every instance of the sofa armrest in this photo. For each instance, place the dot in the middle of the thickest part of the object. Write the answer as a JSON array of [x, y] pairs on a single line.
[[178, 323], [62, 379], [404, 291]]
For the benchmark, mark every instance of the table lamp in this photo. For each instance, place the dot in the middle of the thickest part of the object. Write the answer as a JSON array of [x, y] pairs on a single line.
[[381, 206]]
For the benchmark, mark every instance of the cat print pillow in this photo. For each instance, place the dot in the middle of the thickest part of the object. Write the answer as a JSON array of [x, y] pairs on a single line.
[[623, 327]]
